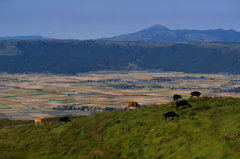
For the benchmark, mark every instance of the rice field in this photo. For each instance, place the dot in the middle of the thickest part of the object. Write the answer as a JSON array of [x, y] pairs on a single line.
[[29, 96]]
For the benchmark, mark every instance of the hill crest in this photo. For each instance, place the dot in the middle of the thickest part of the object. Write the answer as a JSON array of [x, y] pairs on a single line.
[[71, 57], [210, 129], [159, 33]]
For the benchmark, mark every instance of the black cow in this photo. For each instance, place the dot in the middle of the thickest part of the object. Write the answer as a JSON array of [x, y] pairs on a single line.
[[65, 119], [195, 93], [176, 96], [182, 103], [170, 114]]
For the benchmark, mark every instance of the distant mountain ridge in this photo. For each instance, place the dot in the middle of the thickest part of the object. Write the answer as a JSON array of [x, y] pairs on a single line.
[[75, 56], [31, 37], [159, 33]]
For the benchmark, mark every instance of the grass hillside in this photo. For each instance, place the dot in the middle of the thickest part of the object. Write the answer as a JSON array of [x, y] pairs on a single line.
[[210, 129]]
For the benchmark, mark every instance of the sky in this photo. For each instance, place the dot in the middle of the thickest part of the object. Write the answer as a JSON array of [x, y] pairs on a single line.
[[94, 19]]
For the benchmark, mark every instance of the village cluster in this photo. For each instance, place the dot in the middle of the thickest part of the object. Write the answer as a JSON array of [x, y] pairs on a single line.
[[88, 81], [153, 80], [87, 108]]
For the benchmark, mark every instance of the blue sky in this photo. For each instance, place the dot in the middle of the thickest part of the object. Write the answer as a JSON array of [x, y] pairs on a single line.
[[93, 19]]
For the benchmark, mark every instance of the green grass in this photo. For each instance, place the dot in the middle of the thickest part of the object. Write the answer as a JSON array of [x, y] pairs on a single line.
[[210, 129]]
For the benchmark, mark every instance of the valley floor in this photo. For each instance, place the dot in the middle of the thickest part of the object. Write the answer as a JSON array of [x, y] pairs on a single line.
[[29, 96]]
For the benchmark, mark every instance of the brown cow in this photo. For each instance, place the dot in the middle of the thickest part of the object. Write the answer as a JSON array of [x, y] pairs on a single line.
[[132, 104], [40, 121]]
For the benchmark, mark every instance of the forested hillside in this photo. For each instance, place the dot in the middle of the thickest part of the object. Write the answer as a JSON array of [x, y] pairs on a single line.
[[73, 56]]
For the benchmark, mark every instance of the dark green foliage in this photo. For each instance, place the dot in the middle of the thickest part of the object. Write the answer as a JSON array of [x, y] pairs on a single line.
[[72, 56]]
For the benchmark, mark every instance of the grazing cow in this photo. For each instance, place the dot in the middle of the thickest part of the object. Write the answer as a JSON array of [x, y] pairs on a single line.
[[132, 104], [182, 103], [195, 93], [176, 96], [170, 114], [65, 119], [39, 121]]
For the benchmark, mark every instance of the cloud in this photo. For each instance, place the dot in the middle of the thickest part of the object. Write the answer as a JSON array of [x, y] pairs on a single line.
[[49, 32]]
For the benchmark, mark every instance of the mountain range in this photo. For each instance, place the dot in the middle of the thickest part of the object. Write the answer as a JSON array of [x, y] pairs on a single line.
[[159, 33], [25, 37], [75, 56], [190, 51]]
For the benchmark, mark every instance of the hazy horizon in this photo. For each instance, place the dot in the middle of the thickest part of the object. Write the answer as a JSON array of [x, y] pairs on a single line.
[[93, 19]]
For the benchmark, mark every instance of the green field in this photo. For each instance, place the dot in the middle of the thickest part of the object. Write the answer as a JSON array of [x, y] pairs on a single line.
[[208, 130]]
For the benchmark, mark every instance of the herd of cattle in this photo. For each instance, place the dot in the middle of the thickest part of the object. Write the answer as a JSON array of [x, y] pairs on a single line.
[[40, 121], [135, 104], [178, 104]]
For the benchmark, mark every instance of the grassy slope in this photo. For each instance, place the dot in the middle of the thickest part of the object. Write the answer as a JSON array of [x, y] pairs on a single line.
[[210, 129]]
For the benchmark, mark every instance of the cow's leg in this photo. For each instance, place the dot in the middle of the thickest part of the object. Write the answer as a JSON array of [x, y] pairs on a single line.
[[165, 119]]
